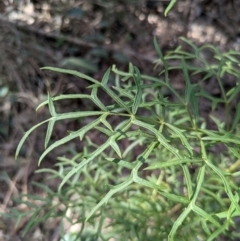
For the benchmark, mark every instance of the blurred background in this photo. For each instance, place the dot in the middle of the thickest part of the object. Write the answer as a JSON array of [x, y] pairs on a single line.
[[88, 36]]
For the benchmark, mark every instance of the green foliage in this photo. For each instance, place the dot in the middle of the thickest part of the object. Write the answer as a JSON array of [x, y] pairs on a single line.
[[156, 169], [169, 7]]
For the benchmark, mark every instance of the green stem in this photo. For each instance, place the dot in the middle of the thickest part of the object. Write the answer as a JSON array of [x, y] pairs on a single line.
[[225, 100]]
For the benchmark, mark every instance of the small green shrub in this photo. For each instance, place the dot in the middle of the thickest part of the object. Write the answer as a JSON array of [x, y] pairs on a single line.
[[157, 167]]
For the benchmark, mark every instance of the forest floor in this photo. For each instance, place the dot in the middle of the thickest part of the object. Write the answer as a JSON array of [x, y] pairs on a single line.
[[88, 37]]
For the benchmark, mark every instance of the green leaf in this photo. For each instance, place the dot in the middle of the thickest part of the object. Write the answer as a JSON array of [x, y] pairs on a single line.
[[159, 81], [158, 50], [226, 185], [123, 92], [233, 93], [116, 148], [190, 90], [31, 222], [138, 142], [114, 190], [222, 139], [95, 99], [178, 222], [121, 73], [169, 7], [26, 136], [72, 72], [79, 133], [106, 77], [84, 162], [138, 97], [188, 180], [111, 93], [181, 136], [120, 102], [232, 208], [190, 43], [104, 130], [105, 122], [124, 127], [231, 212], [159, 136], [200, 179], [190, 207], [234, 151], [175, 198], [217, 232], [121, 162], [162, 58], [64, 97], [77, 114], [49, 132], [44, 187], [173, 163], [220, 70], [123, 185], [141, 159], [205, 215]]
